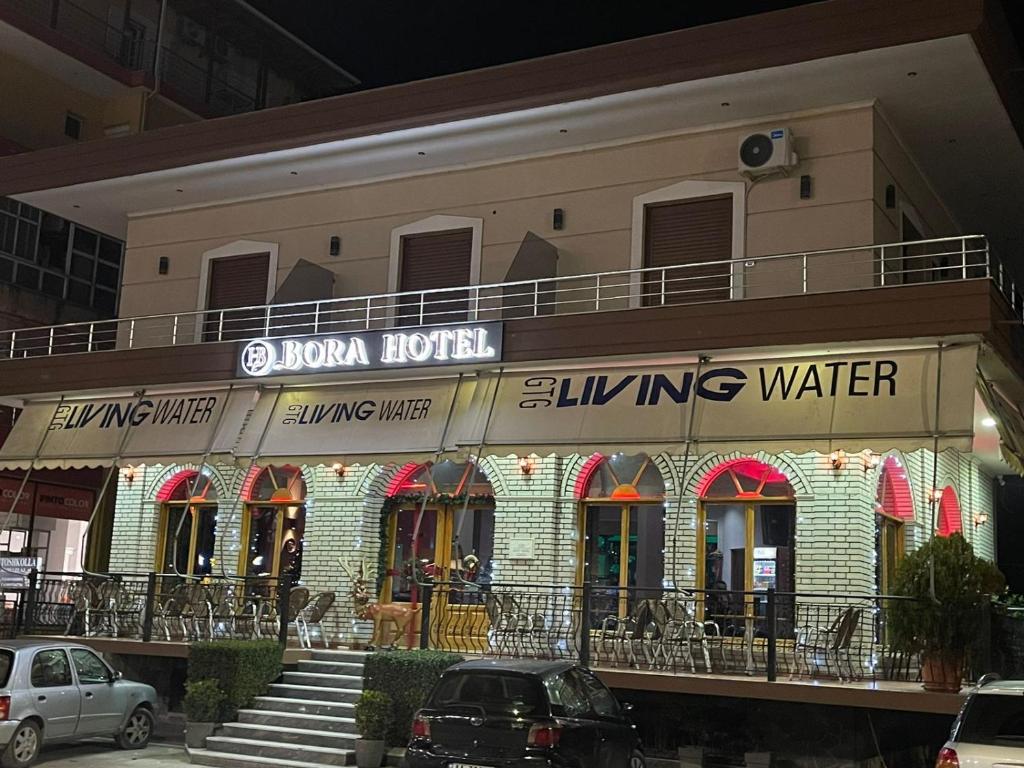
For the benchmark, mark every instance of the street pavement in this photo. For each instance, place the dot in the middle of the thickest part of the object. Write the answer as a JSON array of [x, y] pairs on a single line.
[[103, 754]]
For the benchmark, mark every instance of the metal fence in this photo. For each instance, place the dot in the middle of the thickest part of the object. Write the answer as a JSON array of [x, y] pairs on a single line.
[[838, 269], [764, 634], [154, 606]]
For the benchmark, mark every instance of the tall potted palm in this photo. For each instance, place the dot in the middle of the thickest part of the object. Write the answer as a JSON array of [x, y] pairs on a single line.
[[941, 623]]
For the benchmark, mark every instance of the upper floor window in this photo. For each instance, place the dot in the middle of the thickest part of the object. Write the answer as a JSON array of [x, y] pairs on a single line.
[[430, 261], [235, 282]]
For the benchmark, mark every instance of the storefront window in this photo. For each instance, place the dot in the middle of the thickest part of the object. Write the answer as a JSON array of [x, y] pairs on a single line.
[[623, 532], [893, 505], [442, 529], [950, 519], [748, 519], [275, 523], [189, 516]]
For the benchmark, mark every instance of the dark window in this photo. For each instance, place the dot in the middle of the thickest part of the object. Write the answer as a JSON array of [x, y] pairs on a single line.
[[6, 662], [105, 301], [106, 276], [73, 126], [236, 281], [110, 250], [495, 692], [81, 266], [567, 696], [429, 262], [80, 293], [28, 277], [50, 669], [89, 667], [6, 270], [601, 698], [695, 236], [53, 242], [53, 285], [993, 719], [25, 245], [85, 241]]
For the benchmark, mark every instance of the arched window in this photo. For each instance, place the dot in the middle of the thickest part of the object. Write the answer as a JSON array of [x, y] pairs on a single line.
[[188, 524], [893, 496], [894, 504], [442, 526], [748, 517], [621, 477], [275, 522], [950, 520]]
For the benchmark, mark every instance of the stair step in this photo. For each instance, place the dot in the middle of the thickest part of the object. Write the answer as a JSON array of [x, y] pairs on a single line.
[[323, 680], [228, 760], [354, 668], [314, 692], [304, 706], [309, 735], [343, 725], [355, 657], [290, 751]]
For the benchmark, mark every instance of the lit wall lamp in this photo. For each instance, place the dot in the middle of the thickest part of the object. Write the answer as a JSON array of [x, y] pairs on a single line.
[[128, 473], [934, 495], [525, 465], [980, 518], [837, 459], [871, 460], [339, 469]]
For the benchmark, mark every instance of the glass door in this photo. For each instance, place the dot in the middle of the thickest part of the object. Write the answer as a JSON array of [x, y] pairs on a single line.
[[188, 539], [889, 550]]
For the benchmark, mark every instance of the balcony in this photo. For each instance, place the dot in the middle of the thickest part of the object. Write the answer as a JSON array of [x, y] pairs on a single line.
[[874, 268]]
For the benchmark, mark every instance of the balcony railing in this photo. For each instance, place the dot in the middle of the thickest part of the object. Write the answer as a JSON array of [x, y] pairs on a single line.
[[838, 269]]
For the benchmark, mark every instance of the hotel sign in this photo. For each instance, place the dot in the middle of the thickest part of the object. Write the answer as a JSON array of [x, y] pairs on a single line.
[[435, 345]]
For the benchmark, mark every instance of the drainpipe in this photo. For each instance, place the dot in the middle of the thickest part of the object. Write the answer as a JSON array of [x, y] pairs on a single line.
[[157, 61]]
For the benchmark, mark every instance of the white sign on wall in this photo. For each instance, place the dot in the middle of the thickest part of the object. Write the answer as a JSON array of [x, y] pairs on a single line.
[[521, 548]]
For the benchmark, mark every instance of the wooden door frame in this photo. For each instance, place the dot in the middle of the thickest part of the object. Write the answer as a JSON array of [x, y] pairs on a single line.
[[279, 508], [163, 539], [883, 519], [749, 505]]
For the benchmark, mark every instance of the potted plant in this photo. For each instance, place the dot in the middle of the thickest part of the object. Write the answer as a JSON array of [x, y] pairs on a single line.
[[203, 704], [942, 625], [373, 719]]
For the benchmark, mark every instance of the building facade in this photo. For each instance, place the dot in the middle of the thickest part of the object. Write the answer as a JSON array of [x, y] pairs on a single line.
[[505, 331]]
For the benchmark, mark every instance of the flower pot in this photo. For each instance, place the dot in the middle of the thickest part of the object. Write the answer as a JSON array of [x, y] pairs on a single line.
[[942, 673], [196, 733], [370, 753], [691, 757]]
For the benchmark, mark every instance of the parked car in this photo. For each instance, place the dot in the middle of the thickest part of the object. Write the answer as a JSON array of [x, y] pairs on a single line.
[[989, 731], [522, 714], [52, 692]]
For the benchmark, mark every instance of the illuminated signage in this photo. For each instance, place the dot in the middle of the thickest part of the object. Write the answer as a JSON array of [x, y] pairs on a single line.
[[372, 350]]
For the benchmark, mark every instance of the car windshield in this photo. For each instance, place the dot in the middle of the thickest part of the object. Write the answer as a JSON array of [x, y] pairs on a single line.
[[993, 719], [495, 692], [6, 662]]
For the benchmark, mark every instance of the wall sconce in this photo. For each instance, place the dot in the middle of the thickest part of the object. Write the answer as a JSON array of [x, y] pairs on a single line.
[[339, 469], [837, 459], [525, 465], [128, 473], [934, 495], [871, 460], [980, 518]]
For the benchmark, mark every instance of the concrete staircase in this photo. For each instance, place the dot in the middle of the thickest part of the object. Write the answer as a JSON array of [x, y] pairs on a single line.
[[305, 721]]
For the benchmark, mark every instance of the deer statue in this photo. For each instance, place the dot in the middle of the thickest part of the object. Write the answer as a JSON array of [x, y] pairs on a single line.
[[398, 615]]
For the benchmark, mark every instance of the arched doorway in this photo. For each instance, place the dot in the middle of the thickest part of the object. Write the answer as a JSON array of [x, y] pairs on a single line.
[[894, 506], [274, 523], [450, 537], [188, 525], [747, 516], [622, 531]]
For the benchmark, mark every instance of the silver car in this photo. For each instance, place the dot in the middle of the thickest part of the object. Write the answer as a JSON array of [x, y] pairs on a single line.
[[52, 692]]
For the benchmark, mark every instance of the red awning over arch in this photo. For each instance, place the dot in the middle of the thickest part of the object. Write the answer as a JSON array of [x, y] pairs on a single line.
[[950, 517], [894, 496]]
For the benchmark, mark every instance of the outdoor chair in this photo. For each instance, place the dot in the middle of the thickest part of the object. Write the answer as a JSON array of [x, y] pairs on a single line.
[[624, 639], [167, 610], [683, 633], [512, 629], [830, 643], [313, 616], [269, 618]]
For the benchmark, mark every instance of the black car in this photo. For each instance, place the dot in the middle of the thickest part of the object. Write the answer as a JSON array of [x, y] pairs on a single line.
[[522, 714]]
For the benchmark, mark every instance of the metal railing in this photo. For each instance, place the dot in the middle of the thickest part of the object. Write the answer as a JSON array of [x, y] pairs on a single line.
[[762, 634], [837, 269], [155, 606]]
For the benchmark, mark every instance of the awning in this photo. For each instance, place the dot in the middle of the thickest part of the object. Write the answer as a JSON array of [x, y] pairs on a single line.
[[155, 428], [1009, 422], [878, 401], [376, 421]]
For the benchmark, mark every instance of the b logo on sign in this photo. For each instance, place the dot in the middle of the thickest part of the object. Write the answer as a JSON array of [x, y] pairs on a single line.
[[258, 358]]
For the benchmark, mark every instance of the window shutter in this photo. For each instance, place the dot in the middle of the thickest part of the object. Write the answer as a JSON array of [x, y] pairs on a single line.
[[688, 232], [431, 261], [238, 281]]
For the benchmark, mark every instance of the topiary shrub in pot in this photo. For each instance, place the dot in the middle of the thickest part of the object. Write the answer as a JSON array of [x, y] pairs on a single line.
[[942, 629], [374, 715], [204, 707]]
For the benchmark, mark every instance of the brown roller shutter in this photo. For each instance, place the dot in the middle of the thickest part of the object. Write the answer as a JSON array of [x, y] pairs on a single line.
[[689, 232], [431, 261], [236, 281]]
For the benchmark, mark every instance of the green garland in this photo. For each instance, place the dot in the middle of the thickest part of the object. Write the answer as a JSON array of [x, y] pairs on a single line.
[[394, 503]]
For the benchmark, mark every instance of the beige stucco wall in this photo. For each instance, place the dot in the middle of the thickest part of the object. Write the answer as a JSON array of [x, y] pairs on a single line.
[[35, 105], [595, 188]]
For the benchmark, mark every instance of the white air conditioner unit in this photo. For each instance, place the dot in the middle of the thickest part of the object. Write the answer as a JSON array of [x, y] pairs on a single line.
[[769, 151]]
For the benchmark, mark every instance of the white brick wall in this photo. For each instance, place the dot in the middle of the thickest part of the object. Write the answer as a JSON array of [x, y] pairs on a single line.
[[835, 529]]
